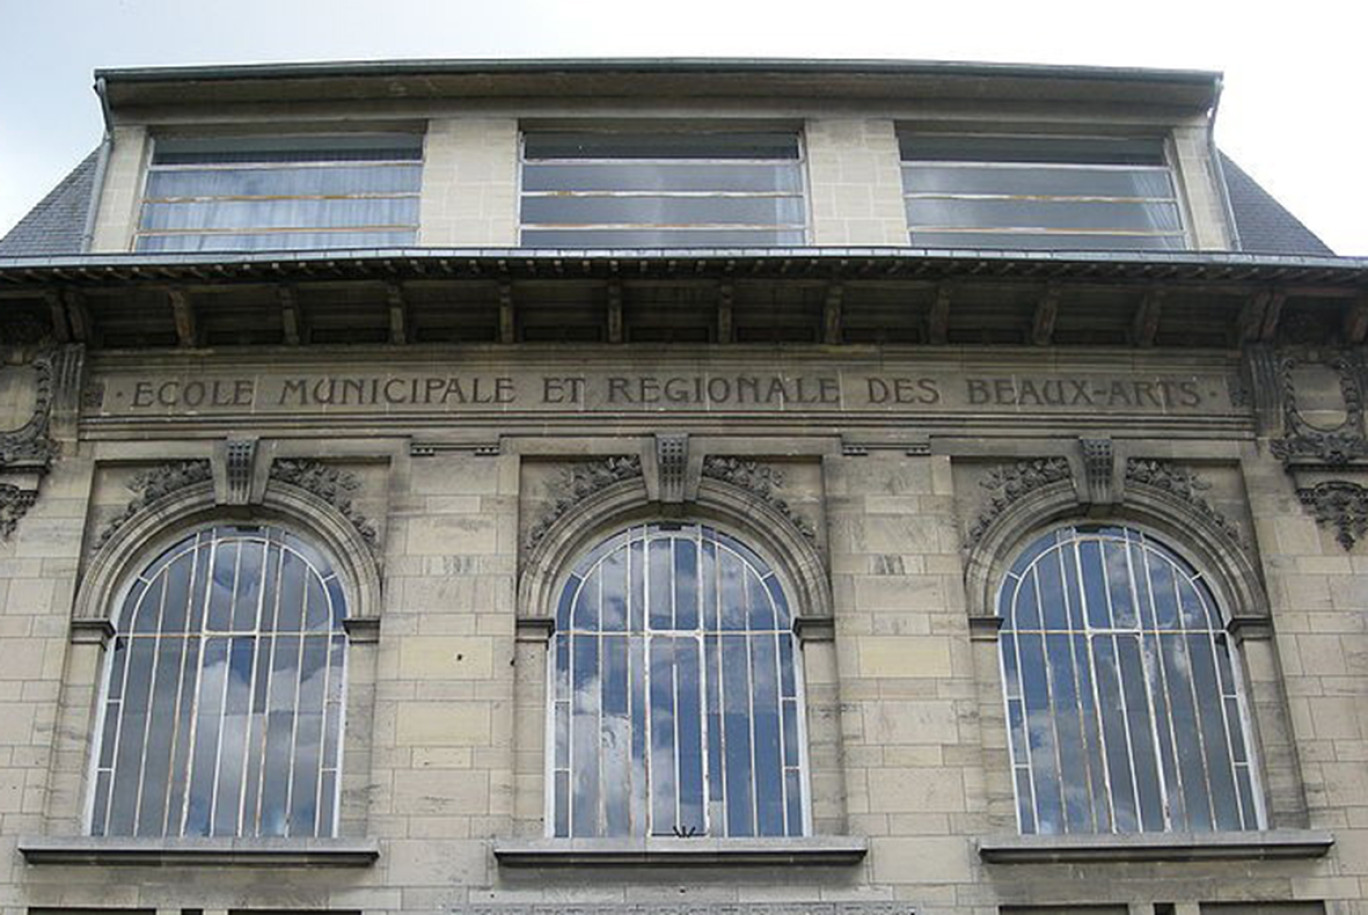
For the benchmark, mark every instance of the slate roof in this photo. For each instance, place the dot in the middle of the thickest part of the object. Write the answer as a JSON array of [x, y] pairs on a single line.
[[54, 227], [56, 224], [1266, 226]]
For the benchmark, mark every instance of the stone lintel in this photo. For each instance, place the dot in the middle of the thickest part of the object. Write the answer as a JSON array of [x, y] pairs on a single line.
[[702, 851], [1172, 846], [119, 850]]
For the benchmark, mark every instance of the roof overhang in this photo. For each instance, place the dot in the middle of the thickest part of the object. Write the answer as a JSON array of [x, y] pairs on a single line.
[[654, 79]]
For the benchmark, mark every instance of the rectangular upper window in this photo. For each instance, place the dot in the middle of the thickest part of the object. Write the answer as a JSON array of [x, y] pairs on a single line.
[[662, 189], [290, 193], [1039, 192]]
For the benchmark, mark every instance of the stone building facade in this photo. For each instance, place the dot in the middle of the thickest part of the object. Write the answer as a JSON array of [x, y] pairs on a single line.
[[631, 487]]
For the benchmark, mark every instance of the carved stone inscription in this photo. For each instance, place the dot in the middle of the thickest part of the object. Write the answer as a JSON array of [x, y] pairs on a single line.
[[683, 391]]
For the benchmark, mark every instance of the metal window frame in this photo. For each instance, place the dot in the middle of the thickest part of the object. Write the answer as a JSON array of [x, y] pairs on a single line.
[[1149, 544], [314, 141], [799, 162], [1183, 231], [590, 559], [190, 541]]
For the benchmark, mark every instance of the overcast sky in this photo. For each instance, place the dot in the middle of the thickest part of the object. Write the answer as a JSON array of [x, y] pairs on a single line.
[[1292, 113]]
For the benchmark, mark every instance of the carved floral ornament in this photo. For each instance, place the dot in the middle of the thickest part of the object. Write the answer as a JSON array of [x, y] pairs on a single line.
[[330, 484], [1009, 484], [1341, 505], [587, 478]]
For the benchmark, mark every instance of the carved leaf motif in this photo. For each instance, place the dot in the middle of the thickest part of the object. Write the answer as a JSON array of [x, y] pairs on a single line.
[[1181, 483], [151, 485], [762, 480], [1341, 504], [14, 504], [579, 483], [1008, 484], [330, 484]]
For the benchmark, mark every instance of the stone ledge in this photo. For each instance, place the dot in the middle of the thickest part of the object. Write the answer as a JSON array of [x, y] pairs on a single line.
[[808, 850], [1173, 846], [114, 850]]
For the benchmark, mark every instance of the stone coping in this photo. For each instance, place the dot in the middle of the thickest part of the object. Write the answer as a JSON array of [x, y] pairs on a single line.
[[268, 852], [1173, 846], [806, 850]]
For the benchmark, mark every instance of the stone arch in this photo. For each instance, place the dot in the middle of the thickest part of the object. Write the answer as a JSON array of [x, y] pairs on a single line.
[[159, 523], [795, 556], [1194, 533]]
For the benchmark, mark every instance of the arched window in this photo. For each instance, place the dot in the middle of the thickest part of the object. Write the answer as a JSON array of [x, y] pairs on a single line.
[[224, 694], [1124, 703], [676, 692]]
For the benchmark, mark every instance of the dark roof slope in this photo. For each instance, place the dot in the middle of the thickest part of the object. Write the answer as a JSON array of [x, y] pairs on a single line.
[[56, 224], [54, 227], [1266, 226]]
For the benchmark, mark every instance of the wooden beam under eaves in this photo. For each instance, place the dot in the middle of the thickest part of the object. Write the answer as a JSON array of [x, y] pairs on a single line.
[[1046, 313], [398, 313], [1145, 325], [615, 333], [83, 329], [831, 314], [183, 311], [938, 321], [508, 323], [61, 330], [1272, 314], [1356, 321], [725, 316], [289, 315]]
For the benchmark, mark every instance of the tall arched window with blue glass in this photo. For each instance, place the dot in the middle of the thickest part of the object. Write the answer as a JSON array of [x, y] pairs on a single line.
[[676, 691], [1125, 707], [224, 692]]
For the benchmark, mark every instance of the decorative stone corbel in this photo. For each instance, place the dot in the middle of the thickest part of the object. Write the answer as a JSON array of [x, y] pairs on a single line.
[[234, 472], [672, 464], [1341, 505], [1099, 472]]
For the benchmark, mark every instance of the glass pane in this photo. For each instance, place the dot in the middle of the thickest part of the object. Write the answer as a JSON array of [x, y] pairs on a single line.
[[987, 148], [1051, 584], [1037, 181], [376, 147], [1053, 241], [616, 739], [689, 727], [661, 238], [769, 799], [1065, 215], [290, 213], [584, 740], [555, 144], [613, 580], [664, 212], [686, 584], [671, 176], [276, 241], [664, 762], [736, 737], [284, 181]]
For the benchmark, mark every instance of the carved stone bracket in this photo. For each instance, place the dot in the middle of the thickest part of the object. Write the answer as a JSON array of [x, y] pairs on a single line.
[[1008, 484], [1181, 483], [239, 461], [581, 481], [761, 480], [151, 485], [1304, 441], [1341, 505], [330, 484], [1098, 469], [672, 460]]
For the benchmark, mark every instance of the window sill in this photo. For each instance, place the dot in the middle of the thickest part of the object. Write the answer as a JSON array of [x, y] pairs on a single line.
[[120, 850], [1177, 846], [809, 850]]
